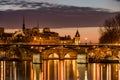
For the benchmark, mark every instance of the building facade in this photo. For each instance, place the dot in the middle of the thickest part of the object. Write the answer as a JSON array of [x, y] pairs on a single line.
[[77, 38]]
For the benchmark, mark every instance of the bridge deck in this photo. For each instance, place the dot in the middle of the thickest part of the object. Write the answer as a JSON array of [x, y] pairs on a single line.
[[43, 45]]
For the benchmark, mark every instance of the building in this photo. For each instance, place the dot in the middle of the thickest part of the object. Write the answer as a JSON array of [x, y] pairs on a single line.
[[6, 37], [33, 35], [35, 31], [19, 36], [47, 37], [77, 38], [66, 40], [36, 37]]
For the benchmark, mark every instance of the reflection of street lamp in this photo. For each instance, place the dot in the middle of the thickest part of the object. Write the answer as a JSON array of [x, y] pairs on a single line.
[[86, 40]]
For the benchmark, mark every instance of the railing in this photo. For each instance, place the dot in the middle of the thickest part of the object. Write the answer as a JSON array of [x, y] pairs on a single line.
[[38, 44]]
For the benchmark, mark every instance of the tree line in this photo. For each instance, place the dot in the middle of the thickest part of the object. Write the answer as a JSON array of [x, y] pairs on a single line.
[[110, 33]]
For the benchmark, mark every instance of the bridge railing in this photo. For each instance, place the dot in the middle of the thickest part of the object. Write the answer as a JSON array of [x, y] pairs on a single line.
[[38, 44]]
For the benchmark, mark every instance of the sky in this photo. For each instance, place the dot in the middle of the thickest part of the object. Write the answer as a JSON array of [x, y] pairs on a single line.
[[107, 4], [57, 13], [62, 15], [112, 5]]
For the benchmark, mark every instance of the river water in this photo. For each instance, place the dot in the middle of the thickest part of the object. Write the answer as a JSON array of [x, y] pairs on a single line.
[[58, 70]]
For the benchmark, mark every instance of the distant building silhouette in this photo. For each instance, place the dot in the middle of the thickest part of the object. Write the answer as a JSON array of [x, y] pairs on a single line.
[[33, 35]]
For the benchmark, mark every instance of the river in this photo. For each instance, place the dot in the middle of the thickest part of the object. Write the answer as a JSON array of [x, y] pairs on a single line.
[[71, 70]]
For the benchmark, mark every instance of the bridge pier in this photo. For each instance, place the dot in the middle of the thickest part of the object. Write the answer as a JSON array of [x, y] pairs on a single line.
[[37, 58]]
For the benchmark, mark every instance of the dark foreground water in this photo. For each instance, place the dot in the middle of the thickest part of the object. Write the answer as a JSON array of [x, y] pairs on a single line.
[[58, 70]]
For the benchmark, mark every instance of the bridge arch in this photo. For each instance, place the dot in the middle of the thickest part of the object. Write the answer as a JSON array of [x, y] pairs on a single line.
[[67, 56], [53, 55], [59, 53], [58, 60]]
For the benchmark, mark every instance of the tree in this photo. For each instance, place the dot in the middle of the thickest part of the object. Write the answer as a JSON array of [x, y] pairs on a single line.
[[111, 30]]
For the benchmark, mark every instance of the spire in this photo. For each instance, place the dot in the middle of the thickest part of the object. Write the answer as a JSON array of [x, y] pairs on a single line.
[[77, 34], [23, 26]]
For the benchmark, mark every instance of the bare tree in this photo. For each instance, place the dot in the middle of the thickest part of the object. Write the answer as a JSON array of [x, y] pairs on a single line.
[[111, 30]]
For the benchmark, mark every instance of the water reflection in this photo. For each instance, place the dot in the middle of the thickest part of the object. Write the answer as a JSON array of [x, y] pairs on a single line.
[[58, 70], [103, 71], [52, 69], [70, 70], [82, 68], [36, 72], [11, 70]]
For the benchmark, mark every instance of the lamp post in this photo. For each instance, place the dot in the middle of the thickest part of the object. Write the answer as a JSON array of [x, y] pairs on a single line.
[[86, 40]]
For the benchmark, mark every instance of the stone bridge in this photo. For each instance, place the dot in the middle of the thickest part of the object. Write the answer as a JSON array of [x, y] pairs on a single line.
[[58, 51]]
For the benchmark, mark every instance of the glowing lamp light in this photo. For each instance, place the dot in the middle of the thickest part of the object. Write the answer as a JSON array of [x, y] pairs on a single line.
[[35, 38], [86, 38]]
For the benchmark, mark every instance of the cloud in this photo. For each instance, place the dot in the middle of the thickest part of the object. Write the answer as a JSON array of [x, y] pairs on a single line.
[[23, 4], [49, 15], [57, 16], [17, 5]]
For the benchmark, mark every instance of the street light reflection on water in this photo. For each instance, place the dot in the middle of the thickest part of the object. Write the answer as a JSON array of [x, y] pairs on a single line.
[[58, 70]]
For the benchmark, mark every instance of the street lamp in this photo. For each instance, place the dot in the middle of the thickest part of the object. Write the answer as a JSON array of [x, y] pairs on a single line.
[[86, 40]]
